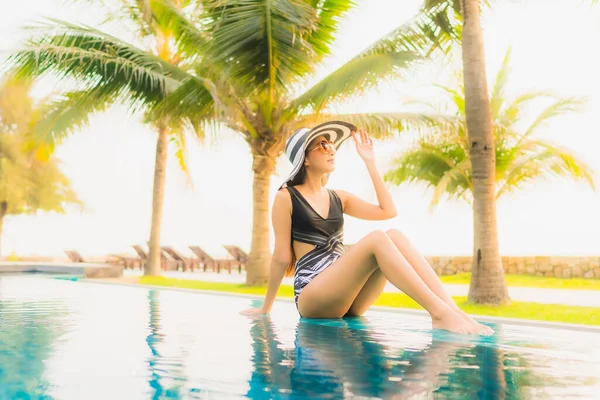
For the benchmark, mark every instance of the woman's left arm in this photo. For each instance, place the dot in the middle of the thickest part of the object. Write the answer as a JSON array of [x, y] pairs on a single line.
[[355, 206]]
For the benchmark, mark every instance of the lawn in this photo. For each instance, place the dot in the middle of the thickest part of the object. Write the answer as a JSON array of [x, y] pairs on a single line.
[[533, 281], [524, 310]]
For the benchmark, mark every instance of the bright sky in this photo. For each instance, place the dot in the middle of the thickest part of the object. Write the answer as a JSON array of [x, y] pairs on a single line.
[[111, 162]]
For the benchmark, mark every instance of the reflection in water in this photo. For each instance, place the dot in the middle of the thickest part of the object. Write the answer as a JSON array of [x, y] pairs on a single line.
[[28, 332], [86, 341], [166, 373], [347, 358]]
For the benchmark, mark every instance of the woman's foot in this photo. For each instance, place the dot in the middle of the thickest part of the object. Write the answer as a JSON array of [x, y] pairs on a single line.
[[458, 322], [480, 328], [453, 322]]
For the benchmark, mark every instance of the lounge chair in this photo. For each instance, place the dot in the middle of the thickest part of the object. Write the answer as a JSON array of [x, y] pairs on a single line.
[[144, 256], [183, 261], [126, 261], [75, 256], [207, 261], [239, 255]]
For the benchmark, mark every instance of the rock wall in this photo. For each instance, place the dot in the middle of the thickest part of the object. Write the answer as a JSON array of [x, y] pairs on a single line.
[[559, 267]]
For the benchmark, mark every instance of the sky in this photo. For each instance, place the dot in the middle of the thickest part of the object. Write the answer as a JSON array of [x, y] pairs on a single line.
[[111, 161]]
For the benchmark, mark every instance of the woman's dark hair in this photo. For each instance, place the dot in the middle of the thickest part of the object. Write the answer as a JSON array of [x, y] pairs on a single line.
[[299, 178]]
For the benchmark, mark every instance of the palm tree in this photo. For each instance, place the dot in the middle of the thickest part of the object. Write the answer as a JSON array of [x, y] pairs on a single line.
[[257, 55], [244, 60], [110, 71], [29, 181], [441, 25], [441, 160], [487, 281]]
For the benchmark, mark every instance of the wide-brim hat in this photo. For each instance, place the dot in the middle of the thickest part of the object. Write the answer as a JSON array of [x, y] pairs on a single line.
[[295, 147]]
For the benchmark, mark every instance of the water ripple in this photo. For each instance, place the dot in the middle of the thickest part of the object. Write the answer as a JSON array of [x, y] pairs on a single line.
[[62, 339]]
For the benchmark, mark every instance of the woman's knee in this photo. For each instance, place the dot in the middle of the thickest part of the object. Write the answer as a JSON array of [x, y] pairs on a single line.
[[396, 235], [378, 239], [377, 236]]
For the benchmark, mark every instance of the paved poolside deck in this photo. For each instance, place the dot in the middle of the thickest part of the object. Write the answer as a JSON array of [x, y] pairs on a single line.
[[587, 298]]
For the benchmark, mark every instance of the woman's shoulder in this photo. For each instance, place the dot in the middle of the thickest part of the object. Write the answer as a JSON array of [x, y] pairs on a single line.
[[283, 196], [342, 194], [282, 204]]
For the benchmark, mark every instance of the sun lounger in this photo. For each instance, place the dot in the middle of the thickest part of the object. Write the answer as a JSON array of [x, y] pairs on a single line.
[[127, 261], [74, 256], [239, 255], [144, 256], [182, 261], [207, 261]]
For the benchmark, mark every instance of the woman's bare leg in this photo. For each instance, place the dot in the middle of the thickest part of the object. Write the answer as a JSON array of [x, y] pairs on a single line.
[[420, 265], [424, 270], [371, 290], [332, 292]]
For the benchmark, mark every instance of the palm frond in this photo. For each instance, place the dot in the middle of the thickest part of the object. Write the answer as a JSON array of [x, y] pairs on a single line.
[[63, 115], [354, 77], [541, 159], [329, 15], [427, 163], [177, 137], [497, 96], [559, 107], [261, 42], [383, 125], [457, 96], [452, 180], [135, 13], [95, 58], [192, 99], [438, 26], [190, 39], [204, 104], [512, 114], [433, 28]]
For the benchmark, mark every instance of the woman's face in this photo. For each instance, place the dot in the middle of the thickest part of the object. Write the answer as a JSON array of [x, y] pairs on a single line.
[[320, 155]]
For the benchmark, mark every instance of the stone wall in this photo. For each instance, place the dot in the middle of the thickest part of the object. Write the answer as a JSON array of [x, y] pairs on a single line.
[[560, 267]]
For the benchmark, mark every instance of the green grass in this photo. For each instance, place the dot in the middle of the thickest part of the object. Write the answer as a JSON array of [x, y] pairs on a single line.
[[533, 281], [524, 310]]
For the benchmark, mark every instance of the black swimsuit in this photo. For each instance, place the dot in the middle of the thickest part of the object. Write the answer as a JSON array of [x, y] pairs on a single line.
[[325, 233]]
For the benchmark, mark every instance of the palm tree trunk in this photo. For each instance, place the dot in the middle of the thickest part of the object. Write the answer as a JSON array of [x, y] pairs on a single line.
[[158, 195], [259, 259], [487, 281], [3, 208]]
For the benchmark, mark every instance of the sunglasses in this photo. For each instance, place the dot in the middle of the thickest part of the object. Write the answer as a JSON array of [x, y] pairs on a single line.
[[325, 146]]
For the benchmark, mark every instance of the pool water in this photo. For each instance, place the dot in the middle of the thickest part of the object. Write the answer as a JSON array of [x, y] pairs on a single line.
[[64, 339]]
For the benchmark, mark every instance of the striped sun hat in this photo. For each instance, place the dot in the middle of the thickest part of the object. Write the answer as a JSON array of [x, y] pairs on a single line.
[[295, 147]]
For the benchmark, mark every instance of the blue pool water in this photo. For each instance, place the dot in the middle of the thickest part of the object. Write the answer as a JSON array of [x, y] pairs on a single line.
[[63, 339]]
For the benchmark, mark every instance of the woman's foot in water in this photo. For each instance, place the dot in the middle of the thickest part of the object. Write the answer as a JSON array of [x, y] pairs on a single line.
[[481, 329], [456, 322], [452, 322]]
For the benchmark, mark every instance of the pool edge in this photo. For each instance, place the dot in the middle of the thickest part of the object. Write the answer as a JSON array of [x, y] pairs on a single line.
[[396, 310]]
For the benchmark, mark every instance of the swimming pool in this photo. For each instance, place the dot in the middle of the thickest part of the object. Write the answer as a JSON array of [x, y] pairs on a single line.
[[62, 339]]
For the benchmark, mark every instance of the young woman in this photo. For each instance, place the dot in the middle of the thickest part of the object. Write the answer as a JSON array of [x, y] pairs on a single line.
[[308, 225]]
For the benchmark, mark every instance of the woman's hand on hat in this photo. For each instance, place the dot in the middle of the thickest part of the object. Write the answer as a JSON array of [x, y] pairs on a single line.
[[364, 145]]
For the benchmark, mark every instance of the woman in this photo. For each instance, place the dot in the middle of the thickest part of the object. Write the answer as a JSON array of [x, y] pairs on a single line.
[[308, 225]]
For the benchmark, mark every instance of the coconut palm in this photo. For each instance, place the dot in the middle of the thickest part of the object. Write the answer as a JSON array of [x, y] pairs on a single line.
[[108, 71], [440, 159], [244, 61], [441, 25]]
